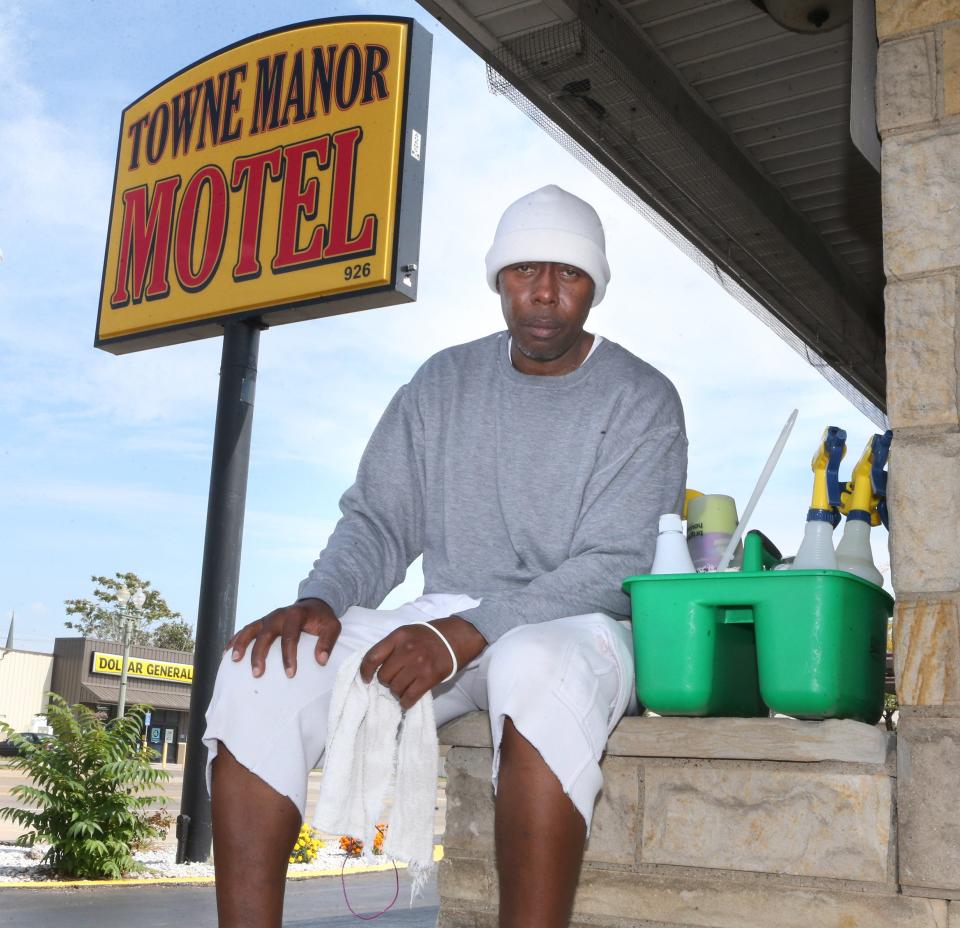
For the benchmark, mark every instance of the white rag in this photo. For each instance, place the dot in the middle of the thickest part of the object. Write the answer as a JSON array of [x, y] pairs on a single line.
[[371, 743]]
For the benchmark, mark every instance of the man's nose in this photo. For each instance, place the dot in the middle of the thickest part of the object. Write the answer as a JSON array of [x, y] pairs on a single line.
[[545, 285]]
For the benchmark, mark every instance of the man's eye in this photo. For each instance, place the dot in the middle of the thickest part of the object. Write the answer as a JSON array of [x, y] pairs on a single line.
[[571, 272]]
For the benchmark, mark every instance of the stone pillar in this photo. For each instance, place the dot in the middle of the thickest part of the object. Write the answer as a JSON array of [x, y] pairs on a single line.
[[918, 114]]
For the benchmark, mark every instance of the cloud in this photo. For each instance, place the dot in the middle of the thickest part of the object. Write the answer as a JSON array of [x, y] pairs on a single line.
[[101, 498], [50, 173]]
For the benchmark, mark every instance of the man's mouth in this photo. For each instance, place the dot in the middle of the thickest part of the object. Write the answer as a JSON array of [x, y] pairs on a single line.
[[540, 329]]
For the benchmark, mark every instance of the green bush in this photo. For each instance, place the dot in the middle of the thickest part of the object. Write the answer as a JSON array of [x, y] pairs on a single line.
[[88, 792]]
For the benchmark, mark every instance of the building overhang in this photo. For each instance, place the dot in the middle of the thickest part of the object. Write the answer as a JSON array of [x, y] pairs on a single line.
[[734, 134]]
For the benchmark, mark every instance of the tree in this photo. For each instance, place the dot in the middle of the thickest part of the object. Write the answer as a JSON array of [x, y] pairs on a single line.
[[176, 636], [89, 793], [154, 624]]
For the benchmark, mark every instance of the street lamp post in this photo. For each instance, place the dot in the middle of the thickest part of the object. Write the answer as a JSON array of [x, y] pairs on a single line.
[[138, 599]]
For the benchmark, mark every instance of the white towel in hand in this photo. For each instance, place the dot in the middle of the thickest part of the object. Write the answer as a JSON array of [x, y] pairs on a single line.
[[372, 743]]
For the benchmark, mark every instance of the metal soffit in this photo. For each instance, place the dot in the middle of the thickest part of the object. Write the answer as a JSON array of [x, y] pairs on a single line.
[[727, 131]]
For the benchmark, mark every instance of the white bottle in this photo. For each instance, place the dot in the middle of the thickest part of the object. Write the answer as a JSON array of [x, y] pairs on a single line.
[[672, 555], [816, 550], [854, 553]]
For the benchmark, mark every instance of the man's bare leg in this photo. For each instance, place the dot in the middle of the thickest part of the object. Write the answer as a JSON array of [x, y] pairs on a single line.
[[540, 837], [254, 830]]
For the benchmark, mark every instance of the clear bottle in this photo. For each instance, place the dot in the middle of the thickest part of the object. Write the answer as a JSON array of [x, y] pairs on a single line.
[[854, 553], [672, 555], [816, 550]]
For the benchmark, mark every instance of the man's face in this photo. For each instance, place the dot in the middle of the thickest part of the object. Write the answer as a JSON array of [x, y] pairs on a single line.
[[545, 306]]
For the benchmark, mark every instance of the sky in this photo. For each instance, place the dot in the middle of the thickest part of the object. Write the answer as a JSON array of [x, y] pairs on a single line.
[[105, 460]]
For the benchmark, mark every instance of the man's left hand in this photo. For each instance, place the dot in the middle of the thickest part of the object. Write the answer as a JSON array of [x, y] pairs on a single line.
[[412, 660]]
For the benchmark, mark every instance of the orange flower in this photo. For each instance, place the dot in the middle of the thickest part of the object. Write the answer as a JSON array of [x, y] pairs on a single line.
[[351, 846]]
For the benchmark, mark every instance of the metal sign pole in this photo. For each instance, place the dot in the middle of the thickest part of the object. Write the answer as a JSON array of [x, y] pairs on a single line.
[[217, 610]]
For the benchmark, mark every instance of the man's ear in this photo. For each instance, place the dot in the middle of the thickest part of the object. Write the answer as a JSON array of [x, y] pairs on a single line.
[[498, 279]]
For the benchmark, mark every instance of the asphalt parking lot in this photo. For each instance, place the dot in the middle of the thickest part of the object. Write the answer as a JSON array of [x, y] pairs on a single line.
[[317, 903], [313, 903]]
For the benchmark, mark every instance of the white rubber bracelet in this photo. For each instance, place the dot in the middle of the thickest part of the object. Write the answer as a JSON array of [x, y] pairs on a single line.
[[453, 656]]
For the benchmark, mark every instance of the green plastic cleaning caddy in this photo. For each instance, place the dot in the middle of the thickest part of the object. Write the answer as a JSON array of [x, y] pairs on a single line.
[[806, 643]]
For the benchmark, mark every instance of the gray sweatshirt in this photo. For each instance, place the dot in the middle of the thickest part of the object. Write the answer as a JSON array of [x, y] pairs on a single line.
[[537, 495]]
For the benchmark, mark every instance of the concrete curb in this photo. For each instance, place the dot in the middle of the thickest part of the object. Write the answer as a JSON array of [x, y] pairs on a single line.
[[205, 880]]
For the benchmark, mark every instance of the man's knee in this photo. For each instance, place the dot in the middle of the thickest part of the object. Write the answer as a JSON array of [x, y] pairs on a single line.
[[525, 653], [567, 664], [557, 685], [274, 725]]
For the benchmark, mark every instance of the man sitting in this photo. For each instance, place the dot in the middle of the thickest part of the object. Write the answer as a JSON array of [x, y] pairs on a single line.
[[529, 468]]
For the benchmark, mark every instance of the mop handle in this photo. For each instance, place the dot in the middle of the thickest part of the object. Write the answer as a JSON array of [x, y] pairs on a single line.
[[757, 491]]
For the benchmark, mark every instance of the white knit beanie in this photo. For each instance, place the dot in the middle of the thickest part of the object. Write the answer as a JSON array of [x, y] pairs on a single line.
[[551, 225]]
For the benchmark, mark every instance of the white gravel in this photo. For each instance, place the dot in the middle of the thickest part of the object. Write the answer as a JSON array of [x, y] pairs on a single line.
[[22, 865]]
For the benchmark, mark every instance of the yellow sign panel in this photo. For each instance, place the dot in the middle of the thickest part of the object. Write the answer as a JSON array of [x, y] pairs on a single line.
[[266, 180], [141, 667]]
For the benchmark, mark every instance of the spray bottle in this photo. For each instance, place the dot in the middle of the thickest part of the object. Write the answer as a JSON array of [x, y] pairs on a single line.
[[860, 502], [816, 550], [671, 555]]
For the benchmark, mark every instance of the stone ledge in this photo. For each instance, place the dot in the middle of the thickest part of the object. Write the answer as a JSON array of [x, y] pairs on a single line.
[[788, 821], [468, 894], [717, 738]]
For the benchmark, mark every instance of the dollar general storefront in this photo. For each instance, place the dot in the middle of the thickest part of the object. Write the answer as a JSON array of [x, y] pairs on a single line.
[[86, 670]]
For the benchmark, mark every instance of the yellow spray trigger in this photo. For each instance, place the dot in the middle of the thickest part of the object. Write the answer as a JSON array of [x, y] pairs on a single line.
[[858, 493]]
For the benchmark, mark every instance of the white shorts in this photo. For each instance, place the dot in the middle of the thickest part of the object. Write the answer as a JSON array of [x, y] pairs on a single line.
[[565, 684]]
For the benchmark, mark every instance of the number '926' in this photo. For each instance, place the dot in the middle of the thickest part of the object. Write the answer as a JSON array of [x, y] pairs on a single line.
[[355, 271]]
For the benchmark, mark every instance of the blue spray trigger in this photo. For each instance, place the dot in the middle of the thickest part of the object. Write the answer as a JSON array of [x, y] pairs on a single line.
[[878, 474], [834, 445]]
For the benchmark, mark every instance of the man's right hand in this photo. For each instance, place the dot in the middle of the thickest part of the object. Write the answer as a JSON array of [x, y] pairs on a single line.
[[287, 623]]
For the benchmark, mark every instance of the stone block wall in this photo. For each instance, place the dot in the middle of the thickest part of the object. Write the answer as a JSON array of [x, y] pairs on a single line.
[[918, 114], [713, 823]]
